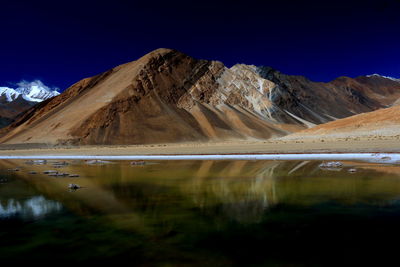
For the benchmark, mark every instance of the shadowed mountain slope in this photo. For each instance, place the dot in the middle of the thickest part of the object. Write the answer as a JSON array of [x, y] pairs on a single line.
[[10, 110]]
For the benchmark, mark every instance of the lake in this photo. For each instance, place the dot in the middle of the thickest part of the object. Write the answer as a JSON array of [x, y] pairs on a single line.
[[199, 213]]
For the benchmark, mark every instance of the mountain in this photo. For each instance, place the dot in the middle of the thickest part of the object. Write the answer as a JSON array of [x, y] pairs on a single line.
[[26, 95], [34, 91], [375, 75], [167, 96], [379, 123]]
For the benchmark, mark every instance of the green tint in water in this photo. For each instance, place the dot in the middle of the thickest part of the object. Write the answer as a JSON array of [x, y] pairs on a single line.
[[220, 213]]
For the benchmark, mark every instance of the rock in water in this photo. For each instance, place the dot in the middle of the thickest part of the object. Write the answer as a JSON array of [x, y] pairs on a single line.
[[331, 166], [138, 162], [50, 172], [97, 161], [73, 186]]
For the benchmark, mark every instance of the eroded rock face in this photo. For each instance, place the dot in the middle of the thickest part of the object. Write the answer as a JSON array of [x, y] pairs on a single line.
[[167, 96]]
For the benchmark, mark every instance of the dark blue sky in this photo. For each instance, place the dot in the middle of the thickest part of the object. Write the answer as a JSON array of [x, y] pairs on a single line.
[[61, 42]]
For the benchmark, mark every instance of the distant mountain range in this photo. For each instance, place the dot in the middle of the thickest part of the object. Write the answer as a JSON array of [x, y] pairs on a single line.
[[34, 91], [27, 94], [167, 96]]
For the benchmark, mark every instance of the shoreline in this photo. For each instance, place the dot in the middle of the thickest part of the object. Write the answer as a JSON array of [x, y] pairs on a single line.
[[387, 158], [228, 148]]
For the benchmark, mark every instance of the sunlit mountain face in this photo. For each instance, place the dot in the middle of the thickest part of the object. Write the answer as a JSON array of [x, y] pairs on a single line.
[[34, 91]]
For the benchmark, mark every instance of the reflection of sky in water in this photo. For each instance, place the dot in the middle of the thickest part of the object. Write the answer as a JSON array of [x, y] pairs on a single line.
[[34, 207]]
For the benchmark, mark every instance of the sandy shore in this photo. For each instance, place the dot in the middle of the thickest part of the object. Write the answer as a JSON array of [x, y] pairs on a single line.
[[356, 145]]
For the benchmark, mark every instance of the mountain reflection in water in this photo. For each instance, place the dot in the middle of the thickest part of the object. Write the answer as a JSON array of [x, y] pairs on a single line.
[[176, 211], [34, 207]]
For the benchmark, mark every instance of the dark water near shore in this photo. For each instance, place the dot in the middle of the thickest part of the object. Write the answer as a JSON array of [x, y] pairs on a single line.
[[199, 213]]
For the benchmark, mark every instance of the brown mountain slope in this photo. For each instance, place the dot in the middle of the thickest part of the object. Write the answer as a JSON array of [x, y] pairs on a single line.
[[167, 96], [141, 102], [383, 122]]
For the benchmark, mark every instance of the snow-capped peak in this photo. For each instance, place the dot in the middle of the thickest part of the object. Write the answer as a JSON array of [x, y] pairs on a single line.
[[386, 77], [34, 91]]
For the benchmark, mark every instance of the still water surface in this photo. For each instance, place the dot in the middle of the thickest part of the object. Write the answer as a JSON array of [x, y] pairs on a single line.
[[199, 213]]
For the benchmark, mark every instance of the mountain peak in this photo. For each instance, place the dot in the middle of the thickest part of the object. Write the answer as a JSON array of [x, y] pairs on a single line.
[[382, 76], [34, 91], [160, 52]]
